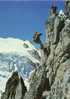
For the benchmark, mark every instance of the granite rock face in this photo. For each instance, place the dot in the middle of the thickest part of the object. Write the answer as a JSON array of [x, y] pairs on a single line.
[[52, 79]]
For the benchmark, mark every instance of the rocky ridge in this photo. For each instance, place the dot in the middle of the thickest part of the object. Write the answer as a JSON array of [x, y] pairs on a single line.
[[52, 80]]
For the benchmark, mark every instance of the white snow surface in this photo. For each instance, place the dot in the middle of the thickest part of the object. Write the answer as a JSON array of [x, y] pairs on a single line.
[[12, 45], [16, 54], [61, 12]]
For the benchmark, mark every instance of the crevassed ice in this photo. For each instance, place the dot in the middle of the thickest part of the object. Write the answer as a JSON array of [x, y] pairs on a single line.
[[18, 55]]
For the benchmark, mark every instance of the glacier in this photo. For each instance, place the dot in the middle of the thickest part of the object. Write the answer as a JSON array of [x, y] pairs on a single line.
[[16, 54]]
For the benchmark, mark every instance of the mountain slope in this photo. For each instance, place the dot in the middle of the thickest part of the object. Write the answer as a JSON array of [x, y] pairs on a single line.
[[15, 55]]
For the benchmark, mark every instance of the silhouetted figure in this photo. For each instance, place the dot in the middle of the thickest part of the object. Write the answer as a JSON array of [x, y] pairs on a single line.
[[67, 8], [54, 26], [45, 50], [36, 37], [50, 35], [53, 10]]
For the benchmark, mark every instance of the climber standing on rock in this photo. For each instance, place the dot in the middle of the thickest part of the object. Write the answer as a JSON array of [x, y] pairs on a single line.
[[36, 37], [54, 26], [50, 25], [44, 48]]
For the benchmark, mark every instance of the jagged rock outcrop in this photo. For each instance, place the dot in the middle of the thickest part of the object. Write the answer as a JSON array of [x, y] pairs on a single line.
[[39, 83], [53, 77], [15, 88]]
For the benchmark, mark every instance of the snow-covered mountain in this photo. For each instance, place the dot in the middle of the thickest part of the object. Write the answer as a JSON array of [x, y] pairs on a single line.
[[15, 55]]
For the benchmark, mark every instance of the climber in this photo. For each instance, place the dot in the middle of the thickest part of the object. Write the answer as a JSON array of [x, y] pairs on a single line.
[[50, 24], [36, 37], [53, 10], [54, 26], [67, 8], [58, 26], [44, 48]]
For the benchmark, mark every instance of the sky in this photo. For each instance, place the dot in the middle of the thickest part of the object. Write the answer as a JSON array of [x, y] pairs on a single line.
[[21, 18]]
